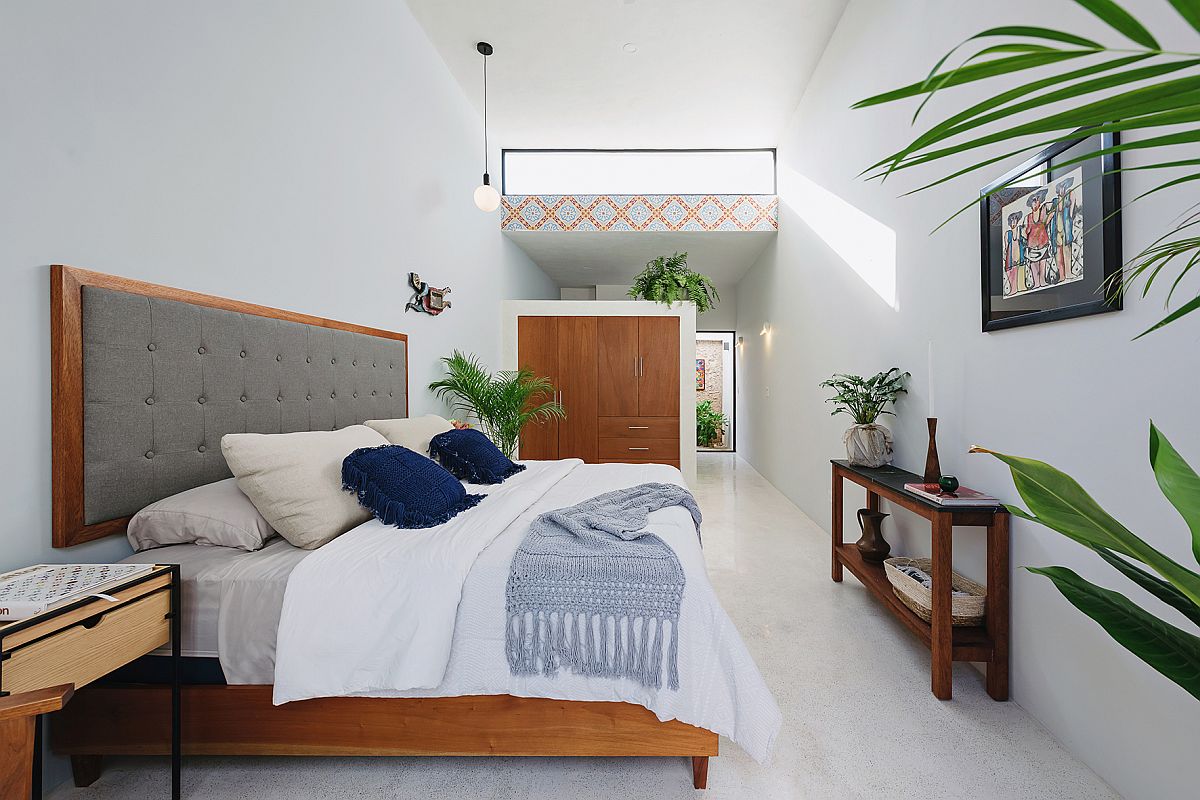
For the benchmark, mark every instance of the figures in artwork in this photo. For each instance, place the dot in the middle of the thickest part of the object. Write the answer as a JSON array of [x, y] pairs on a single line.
[[1043, 242], [427, 299]]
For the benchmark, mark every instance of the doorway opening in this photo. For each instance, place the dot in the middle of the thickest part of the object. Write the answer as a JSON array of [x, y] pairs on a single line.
[[716, 376]]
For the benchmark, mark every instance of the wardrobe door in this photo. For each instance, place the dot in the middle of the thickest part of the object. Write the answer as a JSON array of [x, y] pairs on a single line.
[[537, 349], [658, 345], [578, 377], [618, 363]]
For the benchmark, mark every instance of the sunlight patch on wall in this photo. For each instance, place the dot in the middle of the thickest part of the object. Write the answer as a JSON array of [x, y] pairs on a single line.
[[866, 245]]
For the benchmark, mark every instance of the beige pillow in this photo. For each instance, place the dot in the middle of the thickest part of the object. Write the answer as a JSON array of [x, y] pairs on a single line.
[[414, 433], [213, 514], [295, 480]]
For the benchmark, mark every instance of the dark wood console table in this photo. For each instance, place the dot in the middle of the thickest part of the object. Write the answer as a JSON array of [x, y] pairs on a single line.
[[988, 642]]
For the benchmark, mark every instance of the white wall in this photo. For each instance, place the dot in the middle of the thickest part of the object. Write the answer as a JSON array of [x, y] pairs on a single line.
[[622, 308], [304, 155], [1078, 393]]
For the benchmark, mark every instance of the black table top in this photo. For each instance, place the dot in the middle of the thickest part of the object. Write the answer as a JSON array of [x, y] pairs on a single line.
[[894, 478]]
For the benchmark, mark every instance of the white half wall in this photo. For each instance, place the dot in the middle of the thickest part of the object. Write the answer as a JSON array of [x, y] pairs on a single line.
[[855, 283], [622, 308], [301, 154]]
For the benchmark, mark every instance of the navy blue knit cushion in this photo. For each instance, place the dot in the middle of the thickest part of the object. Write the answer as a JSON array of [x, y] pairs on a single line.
[[472, 457], [404, 488]]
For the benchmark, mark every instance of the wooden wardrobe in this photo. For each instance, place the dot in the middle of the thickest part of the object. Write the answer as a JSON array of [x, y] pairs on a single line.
[[617, 378]]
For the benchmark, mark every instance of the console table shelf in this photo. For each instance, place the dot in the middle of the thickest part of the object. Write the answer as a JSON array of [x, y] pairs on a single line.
[[948, 643]]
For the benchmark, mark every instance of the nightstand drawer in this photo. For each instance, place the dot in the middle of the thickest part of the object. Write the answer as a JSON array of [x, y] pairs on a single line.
[[92, 647]]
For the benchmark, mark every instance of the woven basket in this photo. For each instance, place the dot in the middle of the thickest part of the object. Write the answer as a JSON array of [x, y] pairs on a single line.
[[964, 610]]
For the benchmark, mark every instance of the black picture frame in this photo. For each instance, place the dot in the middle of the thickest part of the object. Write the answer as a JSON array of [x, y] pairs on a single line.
[[1098, 289]]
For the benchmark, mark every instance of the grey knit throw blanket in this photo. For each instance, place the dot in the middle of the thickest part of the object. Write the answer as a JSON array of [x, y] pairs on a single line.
[[591, 590]]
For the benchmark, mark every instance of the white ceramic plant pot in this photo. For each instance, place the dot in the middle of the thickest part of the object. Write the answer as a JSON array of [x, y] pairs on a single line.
[[868, 445]]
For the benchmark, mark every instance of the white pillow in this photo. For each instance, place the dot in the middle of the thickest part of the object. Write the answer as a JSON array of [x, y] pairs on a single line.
[[214, 514], [295, 480], [414, 433]]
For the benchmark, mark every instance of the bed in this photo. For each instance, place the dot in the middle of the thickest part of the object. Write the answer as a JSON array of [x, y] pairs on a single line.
[[253, 365]]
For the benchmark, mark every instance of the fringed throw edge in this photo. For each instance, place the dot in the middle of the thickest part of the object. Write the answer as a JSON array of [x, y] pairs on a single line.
[[539, 642]]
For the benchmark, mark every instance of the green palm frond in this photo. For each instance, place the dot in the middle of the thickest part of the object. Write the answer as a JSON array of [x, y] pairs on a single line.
[[503, 403], [1107, 88]]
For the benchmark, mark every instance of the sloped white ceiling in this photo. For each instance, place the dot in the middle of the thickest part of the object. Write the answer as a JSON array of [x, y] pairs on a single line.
[[707, 73]]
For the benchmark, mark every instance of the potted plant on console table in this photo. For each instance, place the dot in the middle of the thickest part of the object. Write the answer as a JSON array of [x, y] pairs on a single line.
[[868, 444]]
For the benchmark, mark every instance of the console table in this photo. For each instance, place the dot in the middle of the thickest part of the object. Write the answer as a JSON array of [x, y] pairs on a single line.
[[988, 642]]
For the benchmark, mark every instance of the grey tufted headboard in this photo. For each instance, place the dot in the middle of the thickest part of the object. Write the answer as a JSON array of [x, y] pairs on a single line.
[[148, 379]]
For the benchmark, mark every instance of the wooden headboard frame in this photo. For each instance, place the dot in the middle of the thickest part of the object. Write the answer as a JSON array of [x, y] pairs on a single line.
[[66, 383]]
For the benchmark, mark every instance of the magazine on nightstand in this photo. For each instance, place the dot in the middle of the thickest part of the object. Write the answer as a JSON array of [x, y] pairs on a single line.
[[31, 590]]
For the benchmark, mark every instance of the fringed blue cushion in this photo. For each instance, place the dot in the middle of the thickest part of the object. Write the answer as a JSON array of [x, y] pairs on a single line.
[[472, 457], [404, 488]]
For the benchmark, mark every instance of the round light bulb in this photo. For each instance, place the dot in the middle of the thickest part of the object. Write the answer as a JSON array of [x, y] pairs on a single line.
[[487, 198]]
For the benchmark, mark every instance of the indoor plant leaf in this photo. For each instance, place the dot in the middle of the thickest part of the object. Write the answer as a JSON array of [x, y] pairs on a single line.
[[1154, 585], [1178, 481], [1120, 20], [1173, 652]]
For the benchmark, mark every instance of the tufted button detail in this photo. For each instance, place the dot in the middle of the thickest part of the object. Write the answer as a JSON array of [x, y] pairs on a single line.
[[201, 400], [201, 350], [279, 358], [242, 354], [149, 401], [332, 395], [308, 359], [389, 394], [243, 398], [373, 365], [152, 347], [354, 363], [279, 399], [201, 449], [333, 361], [308, 397], [149, 454], [356, 394]]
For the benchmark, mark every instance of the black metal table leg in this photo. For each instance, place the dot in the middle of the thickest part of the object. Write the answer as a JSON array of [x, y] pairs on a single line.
[[36, 778], [176, 698]]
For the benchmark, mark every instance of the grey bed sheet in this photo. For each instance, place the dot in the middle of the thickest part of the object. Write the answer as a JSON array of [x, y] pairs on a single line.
[[231, 602]]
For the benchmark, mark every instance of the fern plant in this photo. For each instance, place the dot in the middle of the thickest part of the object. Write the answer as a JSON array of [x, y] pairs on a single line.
[[668, 280], [1057, 501], [503, 403], [1080, 83]]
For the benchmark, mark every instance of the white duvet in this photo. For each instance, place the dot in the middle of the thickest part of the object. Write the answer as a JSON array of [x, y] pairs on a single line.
[[385, 613]]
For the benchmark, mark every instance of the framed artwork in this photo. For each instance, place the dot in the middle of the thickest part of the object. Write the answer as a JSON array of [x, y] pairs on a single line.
[[699, 374], [1051, 237]]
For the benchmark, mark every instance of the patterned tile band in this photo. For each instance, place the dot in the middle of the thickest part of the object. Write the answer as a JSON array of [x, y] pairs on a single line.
[[655, 212]]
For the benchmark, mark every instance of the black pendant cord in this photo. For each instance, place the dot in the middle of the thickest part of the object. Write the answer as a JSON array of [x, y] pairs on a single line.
[[485, 138]]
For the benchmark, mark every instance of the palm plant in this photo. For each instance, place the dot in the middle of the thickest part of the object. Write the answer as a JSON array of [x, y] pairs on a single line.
[[1057, 501], [667, 279], [503, 403], [1106, 89], [864, 398], [710, 423]]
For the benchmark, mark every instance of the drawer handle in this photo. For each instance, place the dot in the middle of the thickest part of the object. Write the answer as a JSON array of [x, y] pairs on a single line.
[[639, 427], [639, 448]]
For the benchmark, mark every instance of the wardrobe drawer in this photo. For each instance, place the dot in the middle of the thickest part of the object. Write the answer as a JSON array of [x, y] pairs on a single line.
[[92, 647], [641, 449], [668, 461], [639, 427]]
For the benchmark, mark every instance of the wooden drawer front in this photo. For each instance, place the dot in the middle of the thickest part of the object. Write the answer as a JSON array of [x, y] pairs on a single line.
[[670, 462], [641, 449], [79, 654], [639, 427]]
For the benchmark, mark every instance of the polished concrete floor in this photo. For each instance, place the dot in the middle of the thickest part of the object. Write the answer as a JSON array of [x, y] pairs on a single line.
[[859, 721]]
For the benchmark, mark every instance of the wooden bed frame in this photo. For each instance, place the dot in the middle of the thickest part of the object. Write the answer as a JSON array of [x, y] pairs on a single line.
[[129, 719]]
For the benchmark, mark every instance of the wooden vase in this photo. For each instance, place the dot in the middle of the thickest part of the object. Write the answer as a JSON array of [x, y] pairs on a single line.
[[933, 470]]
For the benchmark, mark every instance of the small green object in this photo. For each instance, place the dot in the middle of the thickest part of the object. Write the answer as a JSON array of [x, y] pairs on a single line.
[[949, 483]]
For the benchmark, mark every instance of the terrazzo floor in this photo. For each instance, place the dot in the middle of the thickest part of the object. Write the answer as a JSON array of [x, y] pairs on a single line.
[[859, 721]]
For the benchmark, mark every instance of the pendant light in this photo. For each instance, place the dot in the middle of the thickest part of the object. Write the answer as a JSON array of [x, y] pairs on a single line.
[[486, 196]]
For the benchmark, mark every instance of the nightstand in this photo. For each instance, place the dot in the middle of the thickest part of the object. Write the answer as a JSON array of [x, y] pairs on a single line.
[[85, 640]]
